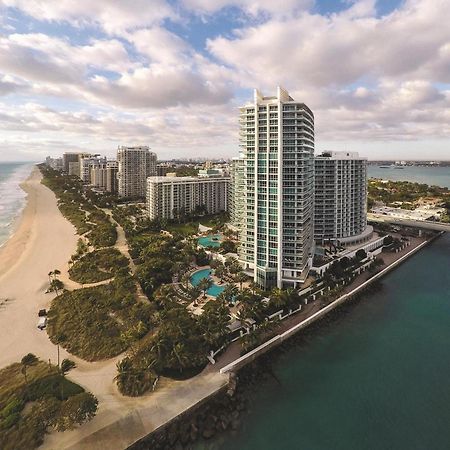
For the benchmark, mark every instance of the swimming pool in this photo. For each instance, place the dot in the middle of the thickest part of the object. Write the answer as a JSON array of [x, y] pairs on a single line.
[[212, 240], [196, 277]]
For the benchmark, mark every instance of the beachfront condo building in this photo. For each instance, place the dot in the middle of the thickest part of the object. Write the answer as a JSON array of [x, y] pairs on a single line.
[[176, 197], [70, 157], [135, 165], [87, 162], [104, 176], [236, 192], [340, 206], [277, 147]]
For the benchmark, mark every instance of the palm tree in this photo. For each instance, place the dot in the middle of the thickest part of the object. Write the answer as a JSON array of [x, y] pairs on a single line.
[[278, 298], [66, 365], [240, 277], [220, 272], [204, 285], [230, 292], [194, 292]]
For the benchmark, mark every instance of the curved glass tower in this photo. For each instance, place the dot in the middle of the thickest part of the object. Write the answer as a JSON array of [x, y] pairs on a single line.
[[277, 149]]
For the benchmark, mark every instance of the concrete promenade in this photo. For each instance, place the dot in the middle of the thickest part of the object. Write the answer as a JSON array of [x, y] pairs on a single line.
[[425, 224]]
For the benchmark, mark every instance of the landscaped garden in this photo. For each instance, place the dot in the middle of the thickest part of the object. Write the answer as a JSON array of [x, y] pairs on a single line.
[[99, 322], [98, 265], [36, 397]]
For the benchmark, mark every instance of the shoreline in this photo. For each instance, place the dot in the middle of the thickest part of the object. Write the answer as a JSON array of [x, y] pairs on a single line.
[[21, 228], [254, 364]]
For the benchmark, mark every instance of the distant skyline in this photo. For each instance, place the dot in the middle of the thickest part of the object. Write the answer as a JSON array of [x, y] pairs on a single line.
[[89, 76]]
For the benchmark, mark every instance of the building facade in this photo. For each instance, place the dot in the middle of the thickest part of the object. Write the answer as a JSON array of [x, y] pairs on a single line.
[[237, 192], [104, 176], [87, 162], [277, 145], [135, 165], [173, 197], [70, 157], [340, 207]]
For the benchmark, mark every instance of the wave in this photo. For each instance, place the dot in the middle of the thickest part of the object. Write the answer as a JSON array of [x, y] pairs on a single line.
[[12, 196]]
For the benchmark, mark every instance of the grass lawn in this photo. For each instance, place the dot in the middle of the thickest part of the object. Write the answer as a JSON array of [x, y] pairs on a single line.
[[98, 266], [192, 227]]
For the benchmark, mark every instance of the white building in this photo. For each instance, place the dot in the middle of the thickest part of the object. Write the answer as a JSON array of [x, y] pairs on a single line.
[[236, 192], [87, 162], [135, 165], [277, 144], [104, 176], [340, 207], [172, 197]]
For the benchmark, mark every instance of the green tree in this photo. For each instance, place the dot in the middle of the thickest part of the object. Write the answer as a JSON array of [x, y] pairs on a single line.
[[240, 278], [76, 410], [229, 293], [204, 284], [214, 323], [27, 361]]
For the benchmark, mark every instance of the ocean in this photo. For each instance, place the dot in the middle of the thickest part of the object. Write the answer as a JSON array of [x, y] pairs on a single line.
[[439, 176], [12, 197], [375, 378]]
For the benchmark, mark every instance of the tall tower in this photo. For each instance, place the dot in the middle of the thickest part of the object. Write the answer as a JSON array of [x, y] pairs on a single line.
[[340, 211], [277, 233], [135, 165]]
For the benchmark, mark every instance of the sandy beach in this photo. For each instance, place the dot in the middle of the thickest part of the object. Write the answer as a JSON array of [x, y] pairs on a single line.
[[43, 241]]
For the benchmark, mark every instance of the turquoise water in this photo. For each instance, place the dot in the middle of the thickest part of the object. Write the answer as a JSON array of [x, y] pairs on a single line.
[[212, 240], [376, 378], [12, 197], [439, 176], [196, 277]]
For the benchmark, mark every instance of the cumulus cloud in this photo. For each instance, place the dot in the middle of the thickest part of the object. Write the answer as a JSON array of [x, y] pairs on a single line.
[[251, 7], [133, 79], [114, 16]]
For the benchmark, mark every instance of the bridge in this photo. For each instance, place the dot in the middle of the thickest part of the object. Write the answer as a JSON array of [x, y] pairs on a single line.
[[426, 224]]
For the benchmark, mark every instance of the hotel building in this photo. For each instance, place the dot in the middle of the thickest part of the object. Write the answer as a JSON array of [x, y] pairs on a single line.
[[172, 197], [104, 176], [87, 162], [340, 207], [135, 165], [277, 147]]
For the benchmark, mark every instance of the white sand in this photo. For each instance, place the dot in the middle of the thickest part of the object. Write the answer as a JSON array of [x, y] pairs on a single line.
[[43, 241]]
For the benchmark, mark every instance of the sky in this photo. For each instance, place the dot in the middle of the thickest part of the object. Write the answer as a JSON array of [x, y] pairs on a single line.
[[90, 75]]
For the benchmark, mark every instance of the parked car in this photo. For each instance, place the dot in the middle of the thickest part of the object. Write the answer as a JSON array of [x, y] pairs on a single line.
[[42, 313], [42, 323]]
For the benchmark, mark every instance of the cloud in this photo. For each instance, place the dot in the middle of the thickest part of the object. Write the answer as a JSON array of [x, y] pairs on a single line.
[[251, 7], [113, 16], [133, 79]]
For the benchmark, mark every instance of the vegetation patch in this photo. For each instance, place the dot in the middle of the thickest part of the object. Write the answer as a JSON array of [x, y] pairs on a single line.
[[36, 397], [98, 266], [178, 348], [79, 208], [96, 323]]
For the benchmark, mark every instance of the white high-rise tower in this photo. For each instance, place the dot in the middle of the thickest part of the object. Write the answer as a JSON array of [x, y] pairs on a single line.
[[135, 165], [277, 147]]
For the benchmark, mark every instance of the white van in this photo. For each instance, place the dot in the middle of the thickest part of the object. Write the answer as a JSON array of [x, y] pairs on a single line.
[[42, 323]]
